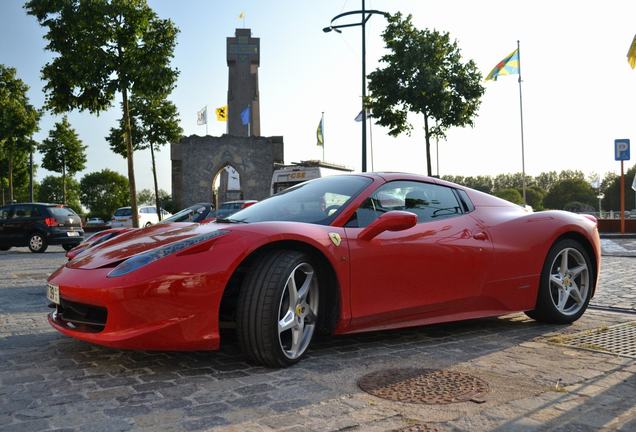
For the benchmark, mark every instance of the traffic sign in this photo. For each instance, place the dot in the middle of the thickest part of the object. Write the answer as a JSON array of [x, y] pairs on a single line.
[[621, 149]]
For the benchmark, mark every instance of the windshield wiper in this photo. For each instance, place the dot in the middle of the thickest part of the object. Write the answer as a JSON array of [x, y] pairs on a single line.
[[228, 220]]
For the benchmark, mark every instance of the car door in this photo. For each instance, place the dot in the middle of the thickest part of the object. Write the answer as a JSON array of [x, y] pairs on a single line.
[[17, 223], [5, 214], [435, 268]]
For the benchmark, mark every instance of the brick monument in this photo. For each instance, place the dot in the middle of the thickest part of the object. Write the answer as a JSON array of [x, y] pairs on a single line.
[[197, 161]]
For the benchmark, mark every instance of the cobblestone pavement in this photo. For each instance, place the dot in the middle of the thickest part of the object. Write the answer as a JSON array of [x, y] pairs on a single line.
[[51, 382], [619, 247]]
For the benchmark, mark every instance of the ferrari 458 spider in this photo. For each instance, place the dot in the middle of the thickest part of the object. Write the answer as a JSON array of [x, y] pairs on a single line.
[[340, 254]]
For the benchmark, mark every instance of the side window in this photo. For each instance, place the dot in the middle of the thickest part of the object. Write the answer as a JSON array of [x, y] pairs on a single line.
[[21, 211], [428, 201]]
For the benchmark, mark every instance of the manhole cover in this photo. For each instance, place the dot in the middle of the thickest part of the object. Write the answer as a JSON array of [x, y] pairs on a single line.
[[420, 427], [423, 386], [619, 339]]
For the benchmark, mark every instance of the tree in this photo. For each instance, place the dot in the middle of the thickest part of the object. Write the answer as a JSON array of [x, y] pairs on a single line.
[[611, 187], [18, 121], [534, 197], [510, 194], [423, 74], [63, 152], [154, 122], [103, 47], [51, 190], [104, 191], [568, 191]]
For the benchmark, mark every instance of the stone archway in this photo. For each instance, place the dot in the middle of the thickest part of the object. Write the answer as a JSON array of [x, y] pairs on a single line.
[[226, 185], [196, 161]]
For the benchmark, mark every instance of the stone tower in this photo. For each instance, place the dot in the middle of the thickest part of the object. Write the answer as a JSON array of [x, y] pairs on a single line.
[[243, 60]]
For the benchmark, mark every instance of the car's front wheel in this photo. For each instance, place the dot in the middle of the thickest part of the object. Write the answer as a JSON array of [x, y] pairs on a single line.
[[67, 247], [278, 308], [37, 243], [567, 282]]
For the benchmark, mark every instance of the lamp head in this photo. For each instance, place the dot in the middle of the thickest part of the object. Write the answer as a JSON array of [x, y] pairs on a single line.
[[327, 29]]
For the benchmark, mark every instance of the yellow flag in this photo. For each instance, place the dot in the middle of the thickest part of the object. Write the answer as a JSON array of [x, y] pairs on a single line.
[[221, 113], [631, 54], [241, 15]]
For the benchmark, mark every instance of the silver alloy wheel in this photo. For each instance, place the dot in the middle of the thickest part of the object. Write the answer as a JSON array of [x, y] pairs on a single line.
[[569, 281], [36, 242], [298, 311]]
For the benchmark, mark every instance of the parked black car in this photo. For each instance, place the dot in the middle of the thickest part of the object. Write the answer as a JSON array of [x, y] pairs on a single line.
[[39, 225]]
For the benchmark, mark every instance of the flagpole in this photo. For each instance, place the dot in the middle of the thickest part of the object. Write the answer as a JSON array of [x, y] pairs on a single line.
[[371, 142], [322, 123], [523, 158]]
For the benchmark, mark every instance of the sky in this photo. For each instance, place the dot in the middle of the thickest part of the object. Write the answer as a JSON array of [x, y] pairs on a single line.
[[578, 89]]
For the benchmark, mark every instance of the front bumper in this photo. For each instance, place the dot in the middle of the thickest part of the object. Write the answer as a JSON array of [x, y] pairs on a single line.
[[167, 313]]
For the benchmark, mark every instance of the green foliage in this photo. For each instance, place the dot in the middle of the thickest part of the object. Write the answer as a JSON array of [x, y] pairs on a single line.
[[153, 121], [103, 192], [534, 197], [423, 73], [63, 153], [63, 150], [51, 191], [18, 121], [510, 194], [102, 47], [611, 189], [145, 197], [569, 190]]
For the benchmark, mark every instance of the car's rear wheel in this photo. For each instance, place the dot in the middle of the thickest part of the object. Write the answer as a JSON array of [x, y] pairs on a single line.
[[68, 247], [147, 224], [278, 308], [37, 243], [567, 282]]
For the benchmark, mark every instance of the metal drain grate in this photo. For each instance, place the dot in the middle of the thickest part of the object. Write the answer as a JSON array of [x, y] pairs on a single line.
[[423, 386], [619, 340]]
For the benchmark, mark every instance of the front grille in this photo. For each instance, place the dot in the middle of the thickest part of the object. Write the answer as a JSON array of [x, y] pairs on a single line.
[[80, 316]]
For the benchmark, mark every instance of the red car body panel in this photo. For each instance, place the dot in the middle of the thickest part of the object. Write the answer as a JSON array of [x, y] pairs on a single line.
[[483, 263]]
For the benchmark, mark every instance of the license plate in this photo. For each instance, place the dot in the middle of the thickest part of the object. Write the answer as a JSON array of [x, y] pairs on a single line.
[[72, 233], [53, 293]]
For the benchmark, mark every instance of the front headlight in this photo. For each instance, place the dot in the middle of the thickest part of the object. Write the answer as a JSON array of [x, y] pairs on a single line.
[[137, 261]]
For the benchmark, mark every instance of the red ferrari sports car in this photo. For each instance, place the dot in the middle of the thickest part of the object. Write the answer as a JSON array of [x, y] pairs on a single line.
[[341, 254]]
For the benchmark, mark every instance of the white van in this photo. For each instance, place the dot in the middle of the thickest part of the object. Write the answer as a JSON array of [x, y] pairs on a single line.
[[298, 172]]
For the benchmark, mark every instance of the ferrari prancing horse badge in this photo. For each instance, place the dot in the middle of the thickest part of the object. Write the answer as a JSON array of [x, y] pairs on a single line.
[[335, 238]]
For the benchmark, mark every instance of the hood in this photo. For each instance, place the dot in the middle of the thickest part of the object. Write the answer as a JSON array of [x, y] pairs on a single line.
[[137, 241]]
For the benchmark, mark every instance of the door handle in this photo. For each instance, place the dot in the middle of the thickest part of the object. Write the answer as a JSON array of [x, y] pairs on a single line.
[[480, 236]]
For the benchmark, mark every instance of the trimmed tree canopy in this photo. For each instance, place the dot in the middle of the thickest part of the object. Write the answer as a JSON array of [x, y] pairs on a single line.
[[423, 73]]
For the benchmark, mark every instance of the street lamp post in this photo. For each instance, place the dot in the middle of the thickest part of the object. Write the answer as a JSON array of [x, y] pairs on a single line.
[[366, 14], [600, 197]]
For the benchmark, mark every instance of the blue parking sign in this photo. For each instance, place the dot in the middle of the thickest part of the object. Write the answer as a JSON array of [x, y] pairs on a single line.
[[621, 149]]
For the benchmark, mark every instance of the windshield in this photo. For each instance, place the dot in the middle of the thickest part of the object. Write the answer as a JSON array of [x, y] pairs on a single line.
[[124, 211], [61, 211], [316, 201], [195, 213]]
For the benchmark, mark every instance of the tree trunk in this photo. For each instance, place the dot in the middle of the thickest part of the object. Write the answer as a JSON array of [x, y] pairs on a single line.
[[63, 180], [154, 175], [129, 149], [10, 160], [428, 145]]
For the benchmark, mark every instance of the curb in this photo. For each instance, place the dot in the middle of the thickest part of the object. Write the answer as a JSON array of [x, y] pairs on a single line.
[[618, 235]]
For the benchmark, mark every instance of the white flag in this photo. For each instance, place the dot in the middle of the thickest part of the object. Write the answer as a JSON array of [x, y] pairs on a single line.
[[202, 116]]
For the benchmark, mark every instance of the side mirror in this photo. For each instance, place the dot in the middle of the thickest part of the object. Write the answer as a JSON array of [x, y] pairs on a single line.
[[392, 221]]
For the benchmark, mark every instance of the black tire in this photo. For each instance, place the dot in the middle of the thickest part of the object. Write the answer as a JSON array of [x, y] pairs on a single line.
[[37, 243], [67, 247], [261, 300], [5, 248], [546, 309], [147, 224]]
